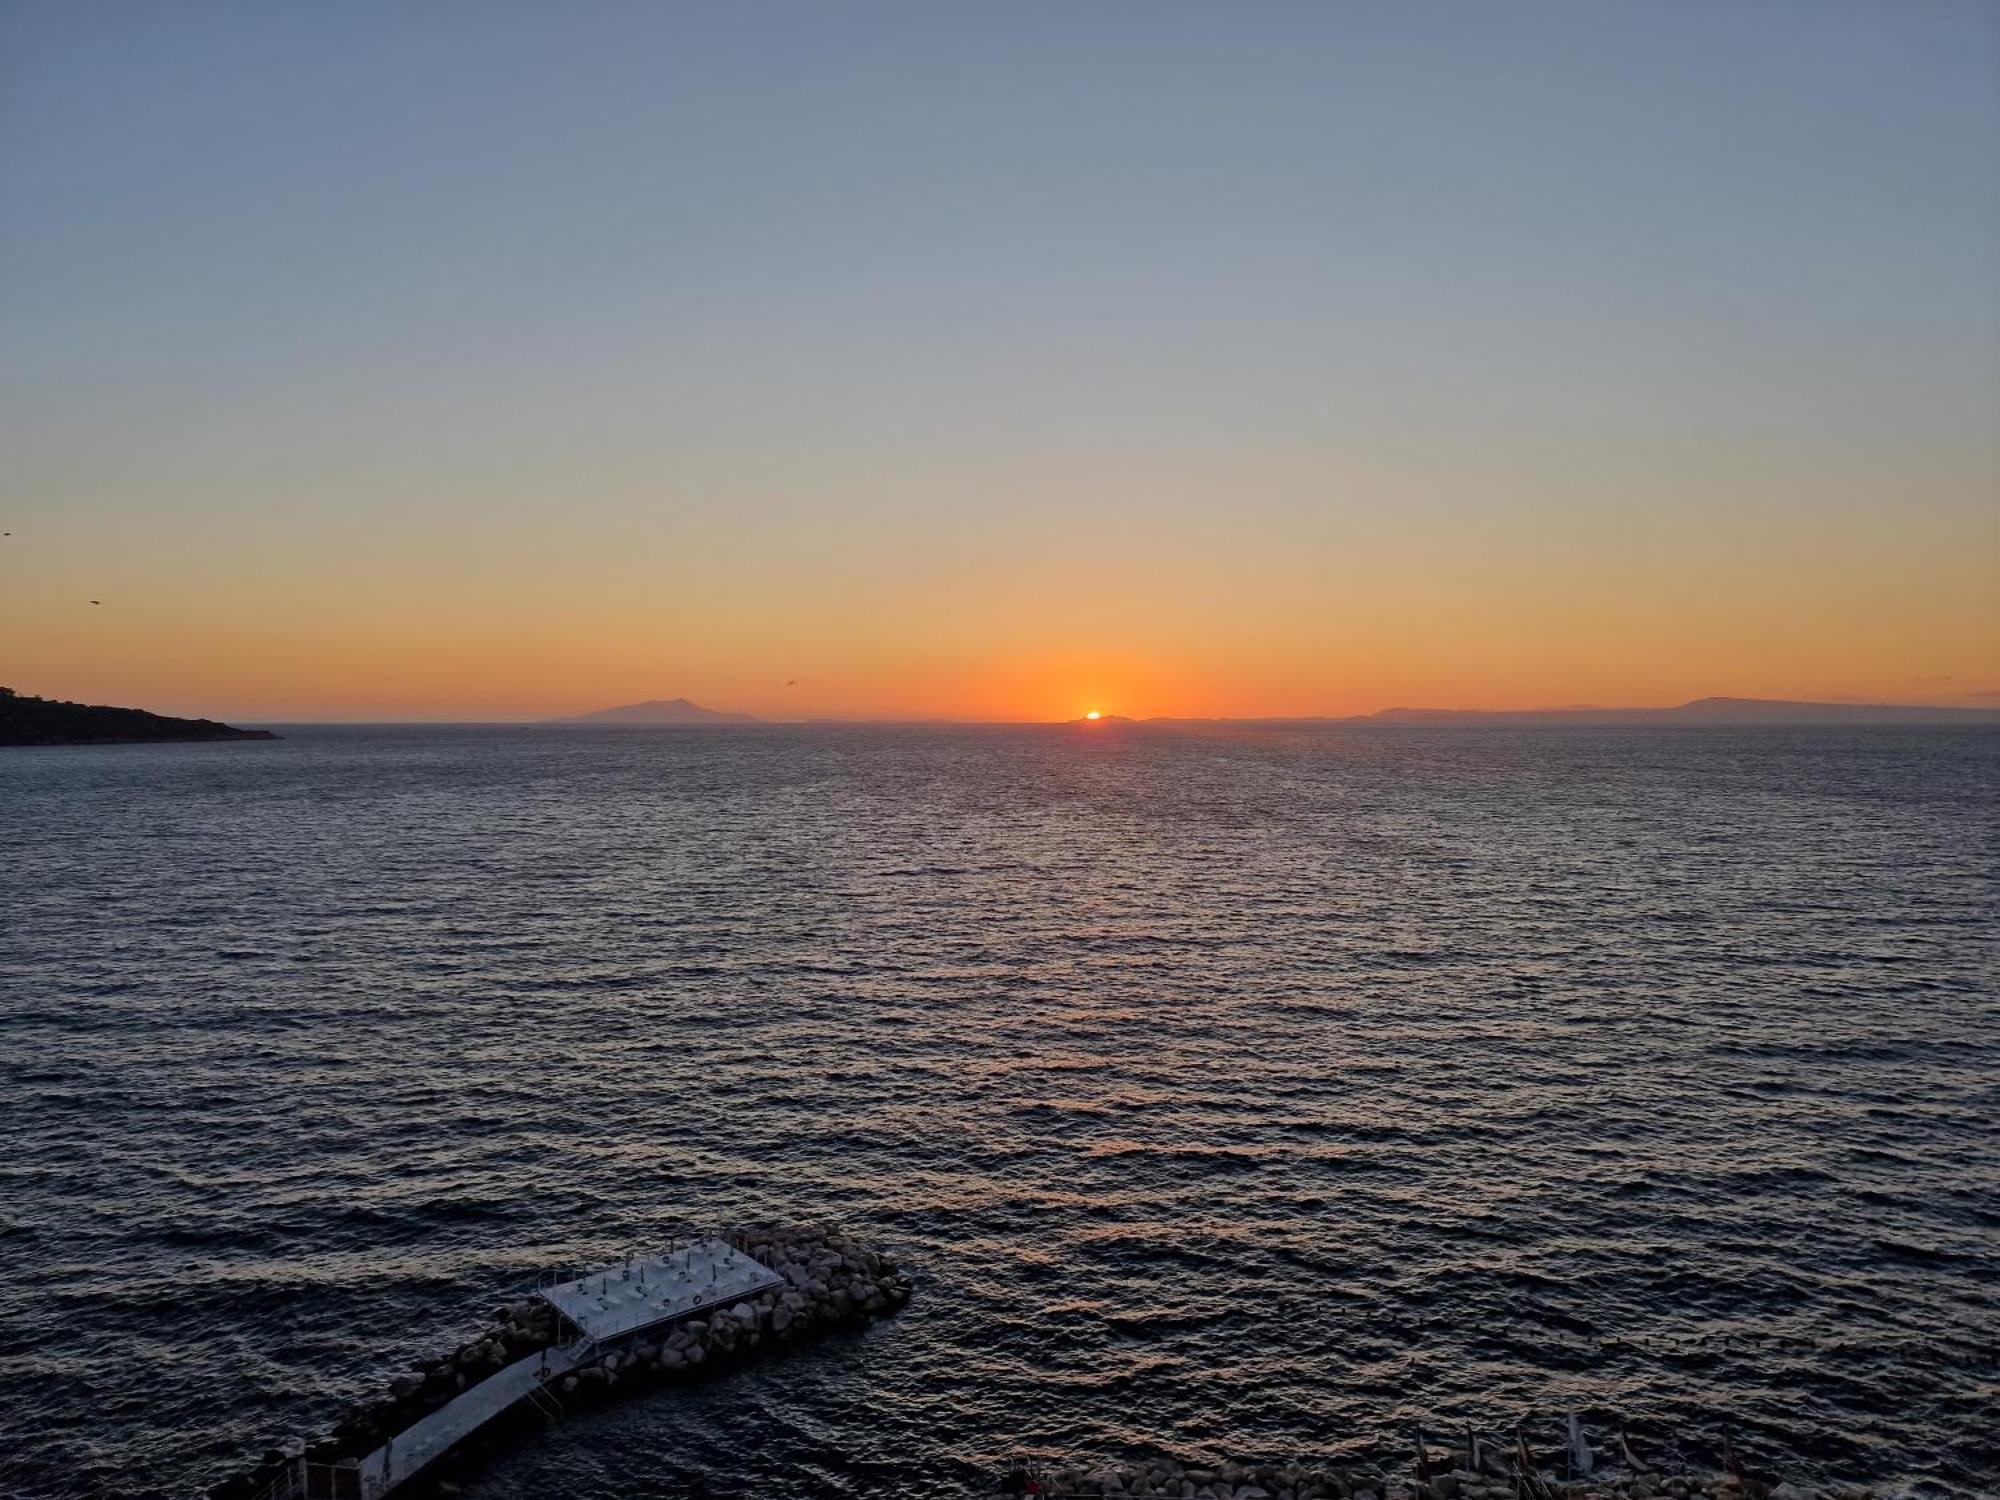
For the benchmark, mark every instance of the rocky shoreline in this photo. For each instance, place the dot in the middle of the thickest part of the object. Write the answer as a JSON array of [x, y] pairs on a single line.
[[1457, 1474], [832, 1282]]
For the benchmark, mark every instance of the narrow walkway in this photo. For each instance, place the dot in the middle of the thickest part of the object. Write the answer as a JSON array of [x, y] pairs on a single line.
[[415, 1446]]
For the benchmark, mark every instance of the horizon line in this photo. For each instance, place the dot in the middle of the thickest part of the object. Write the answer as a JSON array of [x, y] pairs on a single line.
[[1391, 716], [1727, 705]]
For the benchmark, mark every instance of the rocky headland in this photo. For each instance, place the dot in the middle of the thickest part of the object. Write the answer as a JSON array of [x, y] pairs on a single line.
[[27, 720]]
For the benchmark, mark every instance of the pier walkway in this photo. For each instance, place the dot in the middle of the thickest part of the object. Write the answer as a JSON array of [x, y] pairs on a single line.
[[608, 1306], [434, 1436], [792, 1283]]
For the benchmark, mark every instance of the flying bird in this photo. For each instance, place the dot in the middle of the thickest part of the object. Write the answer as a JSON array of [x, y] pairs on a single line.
[[97, 601]]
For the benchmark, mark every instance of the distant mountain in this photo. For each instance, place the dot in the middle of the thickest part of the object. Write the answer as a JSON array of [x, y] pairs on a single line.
[[51, 721], [660, 711], [1701, 711]]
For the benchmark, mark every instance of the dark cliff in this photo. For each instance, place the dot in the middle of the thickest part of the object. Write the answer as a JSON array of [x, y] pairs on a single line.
[[50, 721]]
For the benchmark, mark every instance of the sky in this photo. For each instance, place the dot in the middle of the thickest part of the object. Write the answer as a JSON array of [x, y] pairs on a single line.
[[442, 361]]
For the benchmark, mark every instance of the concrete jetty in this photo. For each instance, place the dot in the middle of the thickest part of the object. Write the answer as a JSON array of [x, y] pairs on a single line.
[[650, 1289], [670, 1316]]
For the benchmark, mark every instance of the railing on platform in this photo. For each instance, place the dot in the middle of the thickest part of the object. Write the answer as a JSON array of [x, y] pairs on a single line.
[[303, 1479], [546, 1402]]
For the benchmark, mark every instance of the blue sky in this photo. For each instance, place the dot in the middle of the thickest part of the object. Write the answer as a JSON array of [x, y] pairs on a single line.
[[889, 288]]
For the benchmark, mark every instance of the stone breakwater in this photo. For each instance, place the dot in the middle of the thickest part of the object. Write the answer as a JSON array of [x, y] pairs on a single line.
[[831, 1282], [1459, 1475]]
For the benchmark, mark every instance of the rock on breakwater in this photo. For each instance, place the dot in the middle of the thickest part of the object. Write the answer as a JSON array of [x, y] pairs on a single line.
[[1460, 1475], [830, 1281]]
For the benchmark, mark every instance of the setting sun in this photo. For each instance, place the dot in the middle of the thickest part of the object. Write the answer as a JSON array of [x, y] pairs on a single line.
[[1093, 714]]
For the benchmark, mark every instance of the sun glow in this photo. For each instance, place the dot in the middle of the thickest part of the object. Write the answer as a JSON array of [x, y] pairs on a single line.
[[1093, 714]]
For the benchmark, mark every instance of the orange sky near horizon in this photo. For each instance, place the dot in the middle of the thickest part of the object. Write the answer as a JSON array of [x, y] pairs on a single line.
[[1174, 596], [986, 363]]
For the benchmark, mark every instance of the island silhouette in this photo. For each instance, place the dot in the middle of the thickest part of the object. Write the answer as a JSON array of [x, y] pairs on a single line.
[[659, 711]]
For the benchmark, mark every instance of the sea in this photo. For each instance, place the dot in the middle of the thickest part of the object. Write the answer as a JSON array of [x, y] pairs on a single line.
[[1241, 1092]]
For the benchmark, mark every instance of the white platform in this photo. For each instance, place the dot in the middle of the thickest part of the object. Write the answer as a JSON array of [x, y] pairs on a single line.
[[658, 1288]]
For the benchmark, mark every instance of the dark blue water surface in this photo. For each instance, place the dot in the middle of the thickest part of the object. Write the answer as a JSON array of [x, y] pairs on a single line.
[[1256, 1092]]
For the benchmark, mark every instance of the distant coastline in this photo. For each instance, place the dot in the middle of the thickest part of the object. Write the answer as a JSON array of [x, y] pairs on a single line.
[[1714, 712], [1699, 711], [28, 721]]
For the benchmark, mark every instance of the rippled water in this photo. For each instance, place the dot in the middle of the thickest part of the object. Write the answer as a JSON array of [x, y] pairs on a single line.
[[1254, 1092]]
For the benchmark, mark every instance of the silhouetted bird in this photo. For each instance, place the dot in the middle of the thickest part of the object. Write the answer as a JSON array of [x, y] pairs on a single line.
[[97, 601]]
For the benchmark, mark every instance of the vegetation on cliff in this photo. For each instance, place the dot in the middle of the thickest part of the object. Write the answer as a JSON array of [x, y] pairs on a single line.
[[50, 721]]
